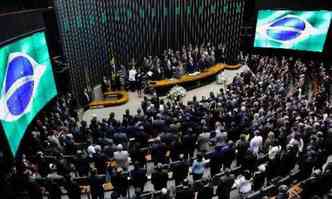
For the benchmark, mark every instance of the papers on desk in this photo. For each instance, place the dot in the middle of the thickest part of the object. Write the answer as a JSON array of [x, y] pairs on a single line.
[[194, 74]]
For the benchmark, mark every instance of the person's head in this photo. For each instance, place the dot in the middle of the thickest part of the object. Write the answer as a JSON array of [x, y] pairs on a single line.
[[119, 171], [83, 123], [246, 174], [262, 168], [227, 171], [159, 167], [283, 188], [164, 191], [93, 171], [230, 143], [316, 173], [119, 147], [199, 157], [98, 148], [53, 167], [243, 137]]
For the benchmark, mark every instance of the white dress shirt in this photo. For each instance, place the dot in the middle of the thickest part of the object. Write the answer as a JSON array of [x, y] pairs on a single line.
[[256, 144], [132, 75]]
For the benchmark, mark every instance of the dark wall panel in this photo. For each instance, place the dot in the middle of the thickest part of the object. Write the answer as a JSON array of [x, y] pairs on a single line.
[[93, 30], [15, 24], [294, 4]]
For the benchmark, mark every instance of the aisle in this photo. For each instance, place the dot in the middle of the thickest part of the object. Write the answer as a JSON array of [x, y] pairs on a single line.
[[135, 102]]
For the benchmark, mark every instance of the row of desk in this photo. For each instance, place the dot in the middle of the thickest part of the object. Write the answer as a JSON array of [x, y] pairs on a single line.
[[163, 86], [191, 81]]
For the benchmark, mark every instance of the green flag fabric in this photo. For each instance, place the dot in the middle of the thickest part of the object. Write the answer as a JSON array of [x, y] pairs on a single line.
[[27, 84]]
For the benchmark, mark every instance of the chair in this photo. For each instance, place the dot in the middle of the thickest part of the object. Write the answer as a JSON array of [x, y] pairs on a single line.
[[255, 195], [269, 190]]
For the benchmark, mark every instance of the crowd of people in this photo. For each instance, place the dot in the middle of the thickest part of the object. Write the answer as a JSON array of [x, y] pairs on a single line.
[[266, 115], [171, 64]]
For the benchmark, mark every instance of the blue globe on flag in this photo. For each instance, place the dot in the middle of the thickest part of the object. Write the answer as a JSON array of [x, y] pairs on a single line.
[[21, 80]]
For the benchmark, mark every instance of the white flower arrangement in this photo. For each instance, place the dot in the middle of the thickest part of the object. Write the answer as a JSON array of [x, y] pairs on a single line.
[[175, 92]]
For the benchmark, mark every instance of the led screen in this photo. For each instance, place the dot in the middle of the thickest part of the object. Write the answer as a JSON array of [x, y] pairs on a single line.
[[297, 30], [27, 84]]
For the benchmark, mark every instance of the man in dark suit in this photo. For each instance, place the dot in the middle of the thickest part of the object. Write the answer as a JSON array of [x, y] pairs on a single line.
[[73, 188], [115, 77], [96, 185], [206, 191], [186, 192], [180, 170], [188, 141], [225, 185], [120, 183], [86, 98], [159, 178], [158, 152], [259, 178], [138, 177]]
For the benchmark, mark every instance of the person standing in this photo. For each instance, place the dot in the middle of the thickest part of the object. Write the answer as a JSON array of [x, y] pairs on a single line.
[[139, 82], [86, 98], [180, 170], [96, 185], [120, 183], [121, 157], [159, 178], [198, 168], [72, 187], [256, 143], [132, 78], [115, 77], [138, 176], [244, 184], [225, 186]]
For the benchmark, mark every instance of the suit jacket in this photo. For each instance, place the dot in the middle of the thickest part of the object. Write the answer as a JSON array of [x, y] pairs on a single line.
[[138, 177], [180, 171], [186, 193], [203, 141], [205, 193], [159, 179], [225, 187], [96, 184]]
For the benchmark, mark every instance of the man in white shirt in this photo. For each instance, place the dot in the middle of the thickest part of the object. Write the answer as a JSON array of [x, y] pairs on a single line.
[[256, 143], [121, 157], [244, 184], [132, 78]]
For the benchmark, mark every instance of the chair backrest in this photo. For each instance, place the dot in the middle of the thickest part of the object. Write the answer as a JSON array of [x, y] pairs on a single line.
[[270, 190], [285, 180], [255, 195], [146, 195], [82, 181]]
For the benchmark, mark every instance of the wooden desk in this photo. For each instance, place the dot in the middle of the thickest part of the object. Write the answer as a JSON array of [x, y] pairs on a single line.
[[85, 190], [122, 98], [185, 79], [294, 192]]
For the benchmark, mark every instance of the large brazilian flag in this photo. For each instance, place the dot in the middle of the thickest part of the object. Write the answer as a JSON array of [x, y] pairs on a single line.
[[290, 29], [27, 85]]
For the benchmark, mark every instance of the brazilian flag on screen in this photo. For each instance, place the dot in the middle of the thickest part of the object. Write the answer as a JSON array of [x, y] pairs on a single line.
[[27, 85]]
